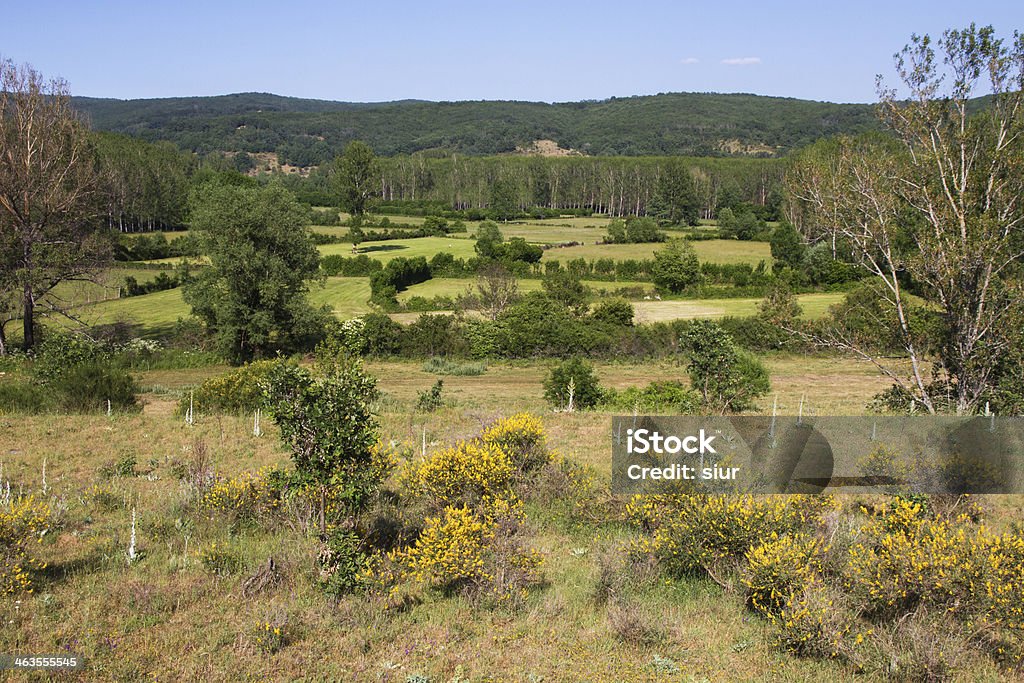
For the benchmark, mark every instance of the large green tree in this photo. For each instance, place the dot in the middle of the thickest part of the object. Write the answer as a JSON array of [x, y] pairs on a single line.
[[676, 266], [262, 258], [675, 199], [356, 177]]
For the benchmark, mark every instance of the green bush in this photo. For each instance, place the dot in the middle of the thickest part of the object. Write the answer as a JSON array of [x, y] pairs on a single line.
[[383, 335], [430, 400], [238, 391], [59, 352], [573, 379], [88, 387], [25, 397], [727, 378], [656, 397], [340, 562], [614, 312]]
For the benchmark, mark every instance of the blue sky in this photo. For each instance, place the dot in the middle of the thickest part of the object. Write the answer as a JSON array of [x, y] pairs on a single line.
[[529, 50]]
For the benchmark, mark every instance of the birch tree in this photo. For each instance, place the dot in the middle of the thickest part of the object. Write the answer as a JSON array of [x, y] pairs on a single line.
[[939, 205]]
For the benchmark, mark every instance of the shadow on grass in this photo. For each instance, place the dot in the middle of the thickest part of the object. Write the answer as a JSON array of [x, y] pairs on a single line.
[[382, 247]]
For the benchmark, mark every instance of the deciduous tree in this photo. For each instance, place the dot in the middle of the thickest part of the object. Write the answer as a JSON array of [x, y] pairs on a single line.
[[262, 257], [939, 206], [50, 197]]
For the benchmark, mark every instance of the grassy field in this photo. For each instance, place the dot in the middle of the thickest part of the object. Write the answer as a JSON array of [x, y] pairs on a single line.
[[455, 286], [409, 248], [169, 616], [712, 251], [347, 298], [814, 306]]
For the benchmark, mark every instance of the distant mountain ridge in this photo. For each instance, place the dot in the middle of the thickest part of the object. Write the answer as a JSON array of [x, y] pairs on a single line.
[[307, 131]]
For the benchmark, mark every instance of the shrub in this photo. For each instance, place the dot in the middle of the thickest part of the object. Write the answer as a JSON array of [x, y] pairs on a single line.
[[58, 353], [382, 335], [467, 473], [248, 497], [906, 557], [727, 378], [676, 266], [614, 312], [478, 552], [341, 562], [327, 422], [451, 548], [237, 391], [780, 569], [656, 397], [813, 624], [573, 384], [521, 438], [691, 533], [26, 397], [22, 521], [89, 386], [430, 400]]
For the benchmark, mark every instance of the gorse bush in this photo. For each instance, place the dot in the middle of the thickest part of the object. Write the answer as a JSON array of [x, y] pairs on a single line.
[[908, 557], [475, 551], [249, 497], [451, 548], [780, 569]]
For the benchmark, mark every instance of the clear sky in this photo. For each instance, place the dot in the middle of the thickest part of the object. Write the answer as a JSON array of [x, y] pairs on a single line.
[[449, 50]]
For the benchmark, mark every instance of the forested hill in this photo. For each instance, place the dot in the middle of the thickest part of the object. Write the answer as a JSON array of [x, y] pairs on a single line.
[[305, 132]]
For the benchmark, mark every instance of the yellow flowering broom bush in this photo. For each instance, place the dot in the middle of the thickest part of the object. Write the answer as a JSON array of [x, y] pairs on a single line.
[[688, 533], [906, 557], [476, 551], [781, 568], [22, 521], [245, 498], [522, 438], [464, 474]]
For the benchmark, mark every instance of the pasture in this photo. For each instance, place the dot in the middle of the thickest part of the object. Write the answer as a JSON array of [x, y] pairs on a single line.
[[713, 251]]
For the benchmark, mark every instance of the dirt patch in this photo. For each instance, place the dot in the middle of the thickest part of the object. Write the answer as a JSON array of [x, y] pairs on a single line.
[[547, 148]]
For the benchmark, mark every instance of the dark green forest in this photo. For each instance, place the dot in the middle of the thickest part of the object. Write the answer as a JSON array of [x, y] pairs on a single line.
[[310, 132]]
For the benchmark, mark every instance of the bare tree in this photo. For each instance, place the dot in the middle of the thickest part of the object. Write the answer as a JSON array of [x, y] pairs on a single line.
[[939, 204], [49, 195], [496, 289]]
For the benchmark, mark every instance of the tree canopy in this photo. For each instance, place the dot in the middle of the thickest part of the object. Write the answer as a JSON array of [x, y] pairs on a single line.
[[262, 257]]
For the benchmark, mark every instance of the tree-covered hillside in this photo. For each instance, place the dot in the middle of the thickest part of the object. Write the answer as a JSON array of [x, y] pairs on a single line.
[[307, 132]]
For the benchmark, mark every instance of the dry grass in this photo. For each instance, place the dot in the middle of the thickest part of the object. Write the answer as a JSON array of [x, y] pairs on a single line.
[[166, 618]]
